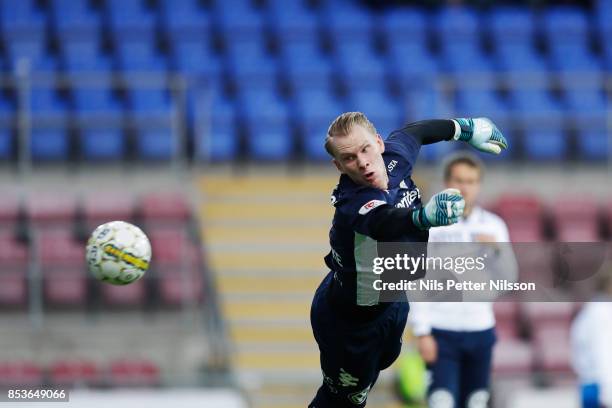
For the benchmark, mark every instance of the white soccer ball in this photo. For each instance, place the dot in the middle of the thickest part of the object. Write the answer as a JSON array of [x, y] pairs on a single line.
[[118, 253]]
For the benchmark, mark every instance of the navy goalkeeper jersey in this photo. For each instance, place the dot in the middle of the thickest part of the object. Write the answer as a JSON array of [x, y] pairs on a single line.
[[352, 247]]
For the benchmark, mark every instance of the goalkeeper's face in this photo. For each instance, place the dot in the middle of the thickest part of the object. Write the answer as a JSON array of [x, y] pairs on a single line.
[[359, 156]]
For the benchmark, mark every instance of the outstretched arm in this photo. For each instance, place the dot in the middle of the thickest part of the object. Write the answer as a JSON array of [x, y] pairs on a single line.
[[480, 133]]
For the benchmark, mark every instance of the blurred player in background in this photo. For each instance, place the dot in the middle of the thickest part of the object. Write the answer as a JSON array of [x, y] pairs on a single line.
[[455, 339], [376, 200], [591, 340]]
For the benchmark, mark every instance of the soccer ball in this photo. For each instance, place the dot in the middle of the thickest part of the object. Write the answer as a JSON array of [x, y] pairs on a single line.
[[118, 253]]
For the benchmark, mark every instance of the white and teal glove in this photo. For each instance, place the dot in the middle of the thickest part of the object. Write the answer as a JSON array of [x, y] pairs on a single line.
[[443, 208], [481, 133]]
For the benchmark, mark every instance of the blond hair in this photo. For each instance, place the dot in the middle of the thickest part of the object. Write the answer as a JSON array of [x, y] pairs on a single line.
[[342, 126]]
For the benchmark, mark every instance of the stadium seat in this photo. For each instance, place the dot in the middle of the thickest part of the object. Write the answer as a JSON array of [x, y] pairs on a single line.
[[102, 144], [220, 142], [294, 25], [63, 268], [164, 208], [134, 373], [156, 143], [181, 288], [21, 19], [184, 20], [540, 314], [305, 67], [125, 296], [467, 58], [576, 220], [97, 102], [398, 24], [74, 19], [513, 356], [7, 143], [138, 55], [524, 216], [51, 210], [401, 57], [521, 64], [238, 21], [75, 373], [345, 21], [360, 68], [84, 55], [565, 25], [194, 58], [13, 276], [511, 25], [456, 25], [380, 109], [103, 207], [315, 110], [552, 349], [250, 67], [506, 319], [49, 144], [130, 19], [20, 374], [9, 213], [267, 122]]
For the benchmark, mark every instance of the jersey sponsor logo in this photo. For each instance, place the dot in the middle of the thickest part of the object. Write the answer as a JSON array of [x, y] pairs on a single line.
[[391, 165], [359, 398], [347, 380], [409, 198], [369, 206]]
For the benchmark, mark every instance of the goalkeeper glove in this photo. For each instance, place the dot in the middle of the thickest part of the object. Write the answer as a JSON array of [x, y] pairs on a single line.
[[482, 134], [444, 208]]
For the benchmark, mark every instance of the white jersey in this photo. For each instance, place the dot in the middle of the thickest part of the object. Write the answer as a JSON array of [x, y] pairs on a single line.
[[591, 337], [460, 316]]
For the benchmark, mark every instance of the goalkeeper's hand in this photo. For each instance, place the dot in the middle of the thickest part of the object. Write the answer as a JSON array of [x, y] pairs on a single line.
[[444, 208], [482, 134]]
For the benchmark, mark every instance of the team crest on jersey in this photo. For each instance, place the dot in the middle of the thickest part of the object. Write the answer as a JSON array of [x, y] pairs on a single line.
[[359, 397], [369, 206]]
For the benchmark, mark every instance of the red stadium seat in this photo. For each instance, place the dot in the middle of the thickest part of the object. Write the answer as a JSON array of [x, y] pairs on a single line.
[[131, 295], [134, 373], [13, 273], [541, 314], [172, 246], [101, 208], [576, 220], [512, 356], [506, 318], [177, 288], [524, 216], [62, 261], [75, 373], [552, 348], [58, 210], [165, 208], [20, 374], [9, 212]]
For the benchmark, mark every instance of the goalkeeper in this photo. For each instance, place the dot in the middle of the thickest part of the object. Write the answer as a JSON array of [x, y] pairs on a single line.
[[376, 200]]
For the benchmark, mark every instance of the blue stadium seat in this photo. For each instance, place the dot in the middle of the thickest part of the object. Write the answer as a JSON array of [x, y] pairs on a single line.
[[315, 110], [404, 71], [239, 22], [345, 21], [139, 56], [574, 57], [31, 49], [250, 67], [6, 143], [96, 101], [278, 8], [155, 142], [102, 144], [46, 101], [21, 19], [359, 67], [130, 19], [384, 112], [456, 25], [220, 142], [521, 64], [566, 25], [305, 67], [549, 142], [149, 101], [75, 19], [510, 25], [194, 58], [85, 57], [462, 58], [49, 143], [267, 123], [298, 26], [185, 19], [588, 108], [400, 24]]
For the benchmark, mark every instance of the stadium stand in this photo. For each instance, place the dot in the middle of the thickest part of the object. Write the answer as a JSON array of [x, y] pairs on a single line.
[[244, 46]]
